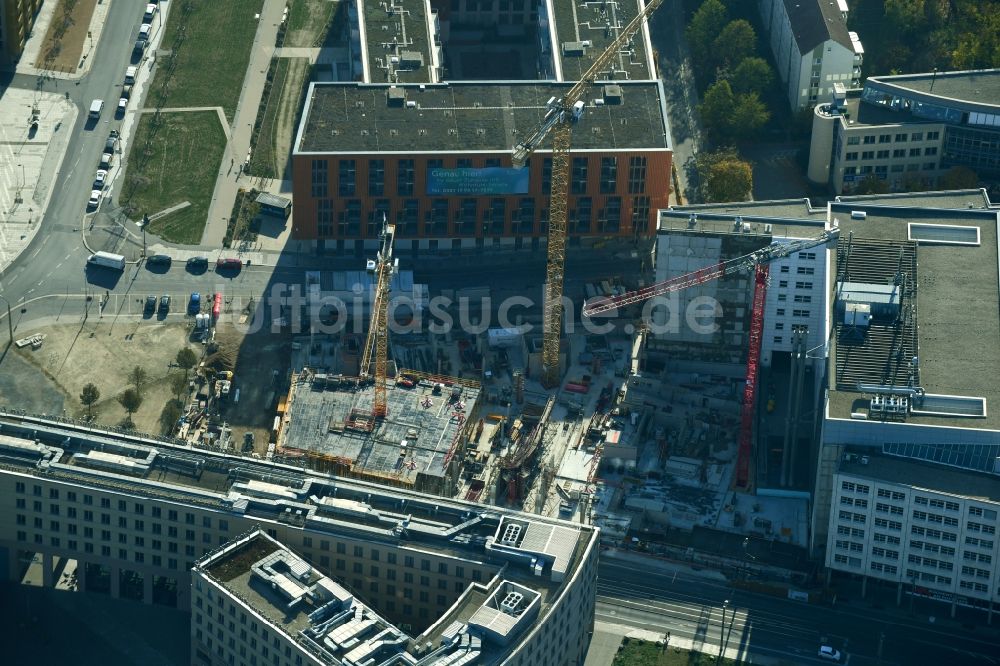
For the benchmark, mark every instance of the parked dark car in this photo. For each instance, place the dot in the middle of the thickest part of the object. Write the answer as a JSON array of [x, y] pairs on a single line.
[[159, 260], [228, 264]]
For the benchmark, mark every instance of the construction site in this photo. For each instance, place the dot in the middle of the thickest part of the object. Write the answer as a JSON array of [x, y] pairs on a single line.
[[648, 426]]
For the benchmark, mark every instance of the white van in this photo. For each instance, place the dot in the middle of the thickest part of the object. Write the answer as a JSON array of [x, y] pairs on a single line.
[[96, 107], [130, 73]]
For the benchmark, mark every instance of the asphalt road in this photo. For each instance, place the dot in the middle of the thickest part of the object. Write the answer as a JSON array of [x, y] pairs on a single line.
[[765, 626], [57, 254]]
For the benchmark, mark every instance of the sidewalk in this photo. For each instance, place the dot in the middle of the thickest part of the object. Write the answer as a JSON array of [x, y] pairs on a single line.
[[29, 163], [608, 637], [647, 561], [229, 179], [32, 48]]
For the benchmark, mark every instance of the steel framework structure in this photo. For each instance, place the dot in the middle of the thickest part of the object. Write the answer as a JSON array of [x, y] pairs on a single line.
[[758, 262], [559, 120], [744, 264], [377, 343]]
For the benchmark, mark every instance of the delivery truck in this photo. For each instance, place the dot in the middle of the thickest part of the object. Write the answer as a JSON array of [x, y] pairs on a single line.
[[107, 260]]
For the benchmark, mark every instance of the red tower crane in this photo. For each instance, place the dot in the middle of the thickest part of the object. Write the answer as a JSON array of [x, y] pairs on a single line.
[[758, 262]]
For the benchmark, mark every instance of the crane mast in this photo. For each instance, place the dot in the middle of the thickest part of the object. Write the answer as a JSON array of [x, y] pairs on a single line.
[[559, 120], [377, 343]]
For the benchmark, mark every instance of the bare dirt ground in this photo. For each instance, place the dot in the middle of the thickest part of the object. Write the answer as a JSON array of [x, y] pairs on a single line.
[[66, 35], [261, 363], [101, 353], [287, 115], [104, 351]]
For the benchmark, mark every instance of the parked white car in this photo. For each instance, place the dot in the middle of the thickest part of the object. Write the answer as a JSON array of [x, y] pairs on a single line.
[[94, 200], [101, 179], [828, 653]]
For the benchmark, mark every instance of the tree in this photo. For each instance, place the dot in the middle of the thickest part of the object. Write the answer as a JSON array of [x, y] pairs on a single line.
[[913, 182], [186, 360], [724, 176], [748, 116], [704, 27], [725, 115], [171, 413], [716, 108], [751, 75], [178, 384], [736, 42], [871, 184], [137, 377], [89, 397], [959, 178], [131, 401]]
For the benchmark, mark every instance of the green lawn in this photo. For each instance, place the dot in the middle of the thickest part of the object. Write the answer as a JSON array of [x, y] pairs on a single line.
[[210, 53], [308, 22], [273, 141], [642, 653], [175, 163]]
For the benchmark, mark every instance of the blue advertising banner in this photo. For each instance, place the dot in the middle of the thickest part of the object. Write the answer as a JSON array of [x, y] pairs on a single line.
[[491, 180]]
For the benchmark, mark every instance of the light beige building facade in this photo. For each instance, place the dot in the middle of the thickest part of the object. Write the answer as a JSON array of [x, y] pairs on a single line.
[[16, 20], [137, 514]]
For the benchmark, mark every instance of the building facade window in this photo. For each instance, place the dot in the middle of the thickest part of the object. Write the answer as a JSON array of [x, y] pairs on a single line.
[[637, 175], [376, 178], [578, 179], [404, 178], [320, 179], [609, 175]]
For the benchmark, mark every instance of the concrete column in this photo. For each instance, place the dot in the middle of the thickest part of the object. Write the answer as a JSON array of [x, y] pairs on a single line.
[[829, 576], [47, 577], [899, 593], [147, 588], [954, 607], [81, 575], [13, 568], [115, 574], [989, 613], [184, 593], [864, 586]]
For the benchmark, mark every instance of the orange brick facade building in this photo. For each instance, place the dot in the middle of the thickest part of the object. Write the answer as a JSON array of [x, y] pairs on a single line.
[[365, 150]]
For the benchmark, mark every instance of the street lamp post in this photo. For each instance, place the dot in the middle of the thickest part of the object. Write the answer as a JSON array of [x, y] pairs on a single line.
[[10, 320], [722, 631], [142, 225]]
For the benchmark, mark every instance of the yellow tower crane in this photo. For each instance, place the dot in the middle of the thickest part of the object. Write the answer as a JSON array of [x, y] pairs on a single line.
[[562, 114], [377, 343]]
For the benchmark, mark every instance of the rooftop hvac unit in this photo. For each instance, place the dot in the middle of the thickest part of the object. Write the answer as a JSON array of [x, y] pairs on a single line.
[[858, 214], [511, 602], [510, 535]]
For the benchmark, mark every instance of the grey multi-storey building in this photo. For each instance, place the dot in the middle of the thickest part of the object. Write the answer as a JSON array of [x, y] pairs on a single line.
[[138, 515]]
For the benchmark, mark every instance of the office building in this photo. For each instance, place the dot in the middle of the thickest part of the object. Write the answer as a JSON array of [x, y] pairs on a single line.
[[812, 47], [907, 357], [908, 130], [796, 294], [433, 576], [17, 17], [422, 137], [928, 528]]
